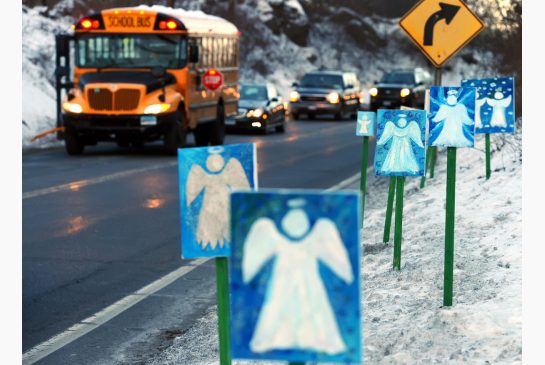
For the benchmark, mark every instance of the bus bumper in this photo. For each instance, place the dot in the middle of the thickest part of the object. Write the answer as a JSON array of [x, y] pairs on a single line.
[[120, 127]]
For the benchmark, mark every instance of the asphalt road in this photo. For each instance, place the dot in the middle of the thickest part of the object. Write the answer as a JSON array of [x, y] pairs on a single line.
[[96, 228]]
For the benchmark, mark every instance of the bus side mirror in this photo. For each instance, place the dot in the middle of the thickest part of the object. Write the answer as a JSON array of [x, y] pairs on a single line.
[[193, 53]]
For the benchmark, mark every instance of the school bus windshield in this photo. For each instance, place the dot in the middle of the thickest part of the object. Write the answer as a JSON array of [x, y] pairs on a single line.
[[131, 50]]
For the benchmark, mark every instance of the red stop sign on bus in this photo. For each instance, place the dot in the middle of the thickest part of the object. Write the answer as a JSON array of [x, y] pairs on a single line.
[[212, 79]]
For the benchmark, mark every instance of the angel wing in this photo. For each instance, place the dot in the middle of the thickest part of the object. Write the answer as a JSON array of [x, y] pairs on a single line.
[[441, 114], [195, 183], [234, 174], [329, 248], [388, 133], [502, 102], [480, 102], [464, 116], [259, 246], [413, 131]]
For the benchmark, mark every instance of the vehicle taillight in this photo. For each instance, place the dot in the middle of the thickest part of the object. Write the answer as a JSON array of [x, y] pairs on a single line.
[[91, 22], [165, 22]]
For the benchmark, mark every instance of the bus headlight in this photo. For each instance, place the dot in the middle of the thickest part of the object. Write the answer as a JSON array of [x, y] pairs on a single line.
[[72, 107], [294, 96], [333, 98], [404, 92], [156, 108], [373, 91]]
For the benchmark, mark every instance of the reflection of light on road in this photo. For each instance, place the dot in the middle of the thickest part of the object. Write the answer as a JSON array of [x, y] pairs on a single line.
[[293, 138], [154, 203], [74, 186], [76, 224]]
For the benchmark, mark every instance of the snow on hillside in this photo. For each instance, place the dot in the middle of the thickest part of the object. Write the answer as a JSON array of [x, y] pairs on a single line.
[[403, 318], [38, 73]]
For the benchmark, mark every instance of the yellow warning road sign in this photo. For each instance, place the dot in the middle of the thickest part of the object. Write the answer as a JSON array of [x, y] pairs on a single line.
[[440, 28]]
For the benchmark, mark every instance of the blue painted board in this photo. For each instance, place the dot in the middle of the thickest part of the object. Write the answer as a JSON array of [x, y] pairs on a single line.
[[206, 177], [401, 142], [294, 276]]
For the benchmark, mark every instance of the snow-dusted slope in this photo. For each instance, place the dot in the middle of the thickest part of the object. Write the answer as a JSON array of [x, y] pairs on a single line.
[[38, 68], [404, 321]]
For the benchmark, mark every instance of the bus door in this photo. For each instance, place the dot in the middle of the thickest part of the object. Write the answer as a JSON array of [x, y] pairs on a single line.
[[63, 45]]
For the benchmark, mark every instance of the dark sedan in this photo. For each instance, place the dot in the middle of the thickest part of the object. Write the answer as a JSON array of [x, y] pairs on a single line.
[[259, 108]]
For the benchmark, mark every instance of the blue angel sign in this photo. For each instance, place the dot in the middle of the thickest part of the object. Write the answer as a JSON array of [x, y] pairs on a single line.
[[401, 142], [494, 105], [206, 177], [452, 116], [295, 292]]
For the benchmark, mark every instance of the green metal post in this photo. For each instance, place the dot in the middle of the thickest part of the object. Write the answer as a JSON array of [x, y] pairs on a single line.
[[222, 295], [449, 226], [389, 208], [363, 178], [423, 179], [296, 363], [433, 158], [398, 233], [487, 150]]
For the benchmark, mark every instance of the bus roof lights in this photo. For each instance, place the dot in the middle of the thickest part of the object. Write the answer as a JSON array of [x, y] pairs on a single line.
[[171, 24], [86, 24]]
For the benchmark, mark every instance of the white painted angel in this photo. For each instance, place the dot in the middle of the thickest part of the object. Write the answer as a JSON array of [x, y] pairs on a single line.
[[363, 126], [213, 222], [296, 313], [454, 126], [499, 104], [478, 105], [400, 157]]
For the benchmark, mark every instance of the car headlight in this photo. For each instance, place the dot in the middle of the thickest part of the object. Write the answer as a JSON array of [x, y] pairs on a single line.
[[255, 113], [373, 91], [156, 108], [404, 92], [72, 107], [333, 98], [294, 96]]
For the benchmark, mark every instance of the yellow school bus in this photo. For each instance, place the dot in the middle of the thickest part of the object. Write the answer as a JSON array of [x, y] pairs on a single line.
[[139, 74]]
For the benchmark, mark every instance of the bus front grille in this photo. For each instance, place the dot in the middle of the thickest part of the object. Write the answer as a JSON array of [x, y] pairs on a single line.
[[122, 99], [126, 99], [100, 99]]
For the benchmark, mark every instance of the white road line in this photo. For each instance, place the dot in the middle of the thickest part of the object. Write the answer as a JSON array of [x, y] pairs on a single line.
[[82, 183], [86, 325], [79, 184], [96, 320]]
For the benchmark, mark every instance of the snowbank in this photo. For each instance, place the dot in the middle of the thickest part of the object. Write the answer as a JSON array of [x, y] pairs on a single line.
[[38, 67], [404, 322]]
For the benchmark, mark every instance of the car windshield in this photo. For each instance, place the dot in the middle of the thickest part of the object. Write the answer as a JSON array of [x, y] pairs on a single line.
[[322, 81], [131, 50], [253, 92], [398, 78]]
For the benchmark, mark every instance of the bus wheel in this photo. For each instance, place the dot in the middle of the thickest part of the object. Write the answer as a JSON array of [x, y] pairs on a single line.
[[202, 134], [217, 134], [175, 137], [74, 145]]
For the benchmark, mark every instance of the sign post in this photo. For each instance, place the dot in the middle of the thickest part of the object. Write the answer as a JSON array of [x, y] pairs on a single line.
[[365, 126], [222, 284], [398, 233], [449, 226], [389, 208], [487, 152]]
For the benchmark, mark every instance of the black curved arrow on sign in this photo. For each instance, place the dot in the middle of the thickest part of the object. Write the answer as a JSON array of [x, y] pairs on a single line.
[[447, 12]]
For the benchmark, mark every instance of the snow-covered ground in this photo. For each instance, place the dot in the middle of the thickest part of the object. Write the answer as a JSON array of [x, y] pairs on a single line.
[[403, 318]]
